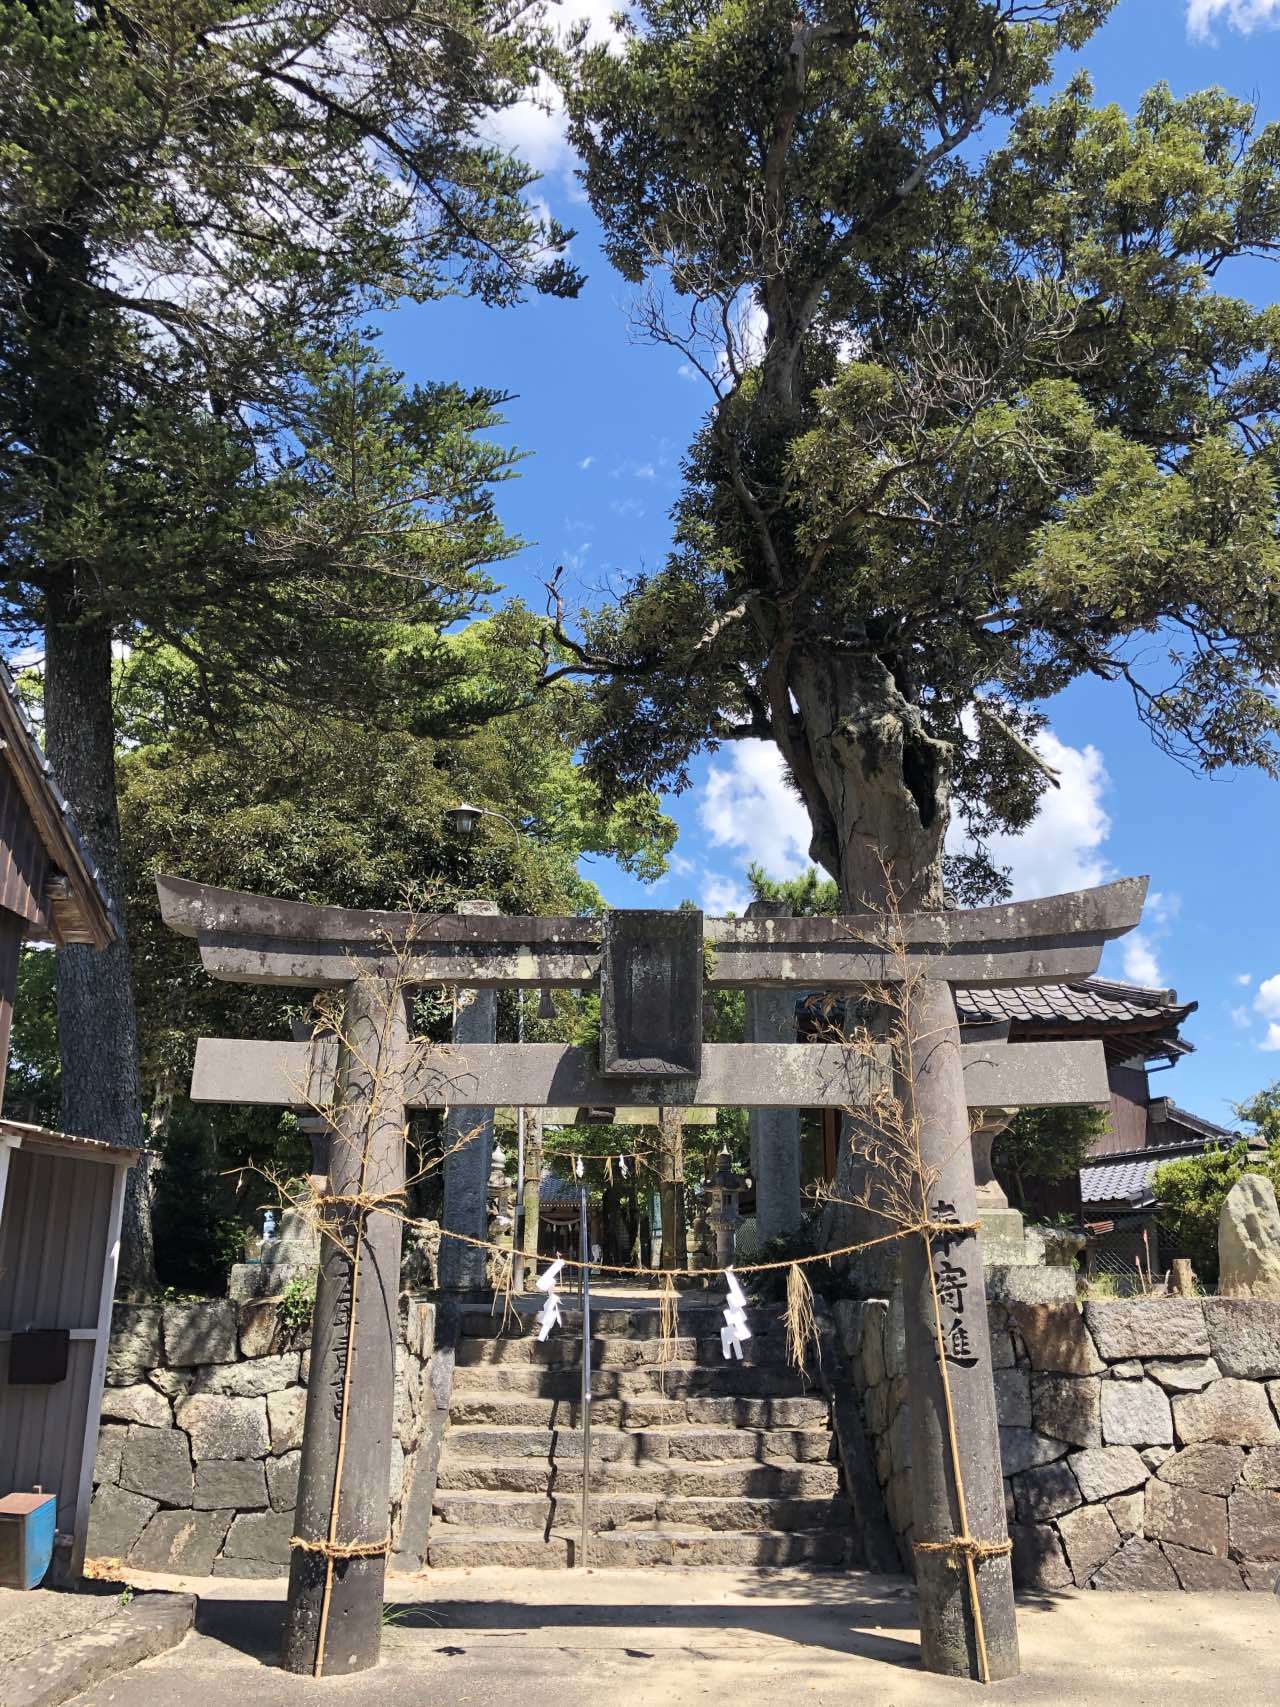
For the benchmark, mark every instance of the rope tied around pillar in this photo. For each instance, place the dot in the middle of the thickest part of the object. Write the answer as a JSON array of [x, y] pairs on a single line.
[[339, 1550]]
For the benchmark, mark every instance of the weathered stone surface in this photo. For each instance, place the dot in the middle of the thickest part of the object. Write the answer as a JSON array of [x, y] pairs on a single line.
[[1138, 1565], [1185, 1516], [106, 1463], [259, 1327], [1029, 1283], [135, 1343], [157, 1462], [282, 1480], [1107, 1470], [1249, 1240], [1245, 1335], [1089, 1538], [1212, 1469], [253, 1379], [1232, 1411], [1183, 1374], [1045, 1492], [287, 1412], [1013, 1397], [1261, 1469], [139, 1403], [1154, 1456], [260, 1535], [1135, 1413], [203, 1332], [1255, 1524], [1126, 1512], [1262, 1578], [1056, 1338], [1066, 1407], [228, 1484], [222, 1427], [263, 1569], [1148, 1327], [1023, 1448], [1203, 1572], [181, 1541], [1129, 1370], [116, 1519], [173, 1383], [1038, 1559]]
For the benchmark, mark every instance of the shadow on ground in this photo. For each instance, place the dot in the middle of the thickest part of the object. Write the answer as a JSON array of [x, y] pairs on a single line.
[[876, 1623]]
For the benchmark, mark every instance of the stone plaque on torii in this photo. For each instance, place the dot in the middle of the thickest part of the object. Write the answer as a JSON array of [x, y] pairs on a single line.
[[651, 969]]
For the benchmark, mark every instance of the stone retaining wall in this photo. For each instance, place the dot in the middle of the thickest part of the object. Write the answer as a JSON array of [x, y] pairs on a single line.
[[202, 1414], [1140, 1438]]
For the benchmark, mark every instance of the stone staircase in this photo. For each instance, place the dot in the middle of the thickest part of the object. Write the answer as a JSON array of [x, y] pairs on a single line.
[[707, 1463]]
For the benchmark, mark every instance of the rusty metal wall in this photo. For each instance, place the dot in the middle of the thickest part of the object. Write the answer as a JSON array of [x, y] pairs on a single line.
[[53, 1246]]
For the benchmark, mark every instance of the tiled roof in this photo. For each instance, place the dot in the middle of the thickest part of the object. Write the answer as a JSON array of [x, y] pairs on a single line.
[[1125, 1177], [1089, 1002]]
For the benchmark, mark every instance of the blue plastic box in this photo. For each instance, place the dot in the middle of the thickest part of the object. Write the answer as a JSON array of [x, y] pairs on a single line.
[[26, 1538]]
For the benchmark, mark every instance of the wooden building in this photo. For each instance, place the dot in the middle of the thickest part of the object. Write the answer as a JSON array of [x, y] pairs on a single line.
[[60, 1196]]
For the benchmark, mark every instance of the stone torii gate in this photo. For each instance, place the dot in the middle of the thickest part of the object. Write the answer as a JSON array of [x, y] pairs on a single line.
[[651, 969]]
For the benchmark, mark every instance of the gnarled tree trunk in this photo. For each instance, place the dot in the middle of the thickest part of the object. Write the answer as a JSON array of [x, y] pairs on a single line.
[[97, 1023]]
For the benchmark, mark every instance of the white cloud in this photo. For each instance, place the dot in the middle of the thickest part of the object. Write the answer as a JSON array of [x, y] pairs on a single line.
[[749, 805], [1267, 1000], [535, 129], [1244, 979], [1061, 848], [1140, 963], [1243, 15], [721, 894], [586, 462], [1272, 1039], [627, 507], [1240, 1018]]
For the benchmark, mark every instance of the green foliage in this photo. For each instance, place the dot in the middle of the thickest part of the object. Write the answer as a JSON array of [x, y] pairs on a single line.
[[808, 895], [986, 420], [297, 1302], [1262, 1112], [1041, 1146], [1191, 1194], [33, 1089]]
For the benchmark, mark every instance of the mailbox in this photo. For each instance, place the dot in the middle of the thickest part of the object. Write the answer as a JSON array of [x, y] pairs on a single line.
[[26, 1538]]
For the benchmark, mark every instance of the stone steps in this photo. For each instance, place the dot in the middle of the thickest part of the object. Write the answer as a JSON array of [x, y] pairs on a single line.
[[627, 1446], [690, 1478], [674, 1381], [643, 1323], [641, 1549], [506, 1509], [513, 1410], [700, 1461], [613, 1352]]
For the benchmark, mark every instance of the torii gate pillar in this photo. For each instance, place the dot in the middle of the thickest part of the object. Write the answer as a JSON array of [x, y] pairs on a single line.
[[333, 1623], [955, 1455]]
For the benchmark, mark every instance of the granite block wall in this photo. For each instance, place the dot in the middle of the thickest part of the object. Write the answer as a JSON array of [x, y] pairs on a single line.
[[199, 1450], [1140, 1438]]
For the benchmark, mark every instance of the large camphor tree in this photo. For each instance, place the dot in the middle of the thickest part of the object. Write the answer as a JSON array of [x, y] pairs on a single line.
[[197, 199], [987, 417]]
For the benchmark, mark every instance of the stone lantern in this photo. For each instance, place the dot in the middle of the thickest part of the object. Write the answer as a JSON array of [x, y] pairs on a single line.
[[722, 1210]]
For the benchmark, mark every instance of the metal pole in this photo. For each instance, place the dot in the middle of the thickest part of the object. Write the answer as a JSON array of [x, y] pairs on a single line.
[[586, 1380], [517, 1232]]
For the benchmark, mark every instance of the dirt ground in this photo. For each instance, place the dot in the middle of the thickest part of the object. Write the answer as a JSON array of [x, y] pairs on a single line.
[[496, 1638]]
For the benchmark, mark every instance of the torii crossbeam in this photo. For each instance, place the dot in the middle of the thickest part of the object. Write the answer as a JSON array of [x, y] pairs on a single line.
[[651, 968]]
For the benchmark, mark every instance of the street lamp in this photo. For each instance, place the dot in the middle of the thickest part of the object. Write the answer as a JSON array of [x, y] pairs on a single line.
[[463, 818]]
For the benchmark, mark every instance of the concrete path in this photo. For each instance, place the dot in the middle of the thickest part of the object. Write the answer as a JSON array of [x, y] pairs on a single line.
[[667, 1638]]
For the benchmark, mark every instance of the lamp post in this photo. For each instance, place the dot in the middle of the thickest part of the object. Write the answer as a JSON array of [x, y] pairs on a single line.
[[461, 821]]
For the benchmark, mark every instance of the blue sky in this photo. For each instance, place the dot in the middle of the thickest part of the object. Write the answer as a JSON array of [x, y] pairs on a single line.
[[607, 418]]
